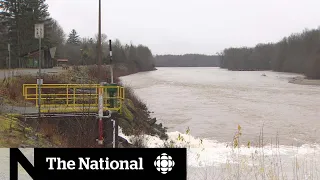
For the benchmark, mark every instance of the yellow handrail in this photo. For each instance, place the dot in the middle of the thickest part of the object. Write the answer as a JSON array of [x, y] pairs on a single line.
[[59, 98]]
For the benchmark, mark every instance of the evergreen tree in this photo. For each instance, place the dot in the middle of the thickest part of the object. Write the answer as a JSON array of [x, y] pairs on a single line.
[[19, 17], [73, 38]]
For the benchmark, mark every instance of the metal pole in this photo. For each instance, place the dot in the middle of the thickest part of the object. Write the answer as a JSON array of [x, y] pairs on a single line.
[[111, 68], [111, 71], [39, 82], [114, 133], [100, 113]]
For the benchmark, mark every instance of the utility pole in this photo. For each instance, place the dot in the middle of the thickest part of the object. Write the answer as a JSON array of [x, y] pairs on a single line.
[[115, 123], [99, 46], [100, 99]]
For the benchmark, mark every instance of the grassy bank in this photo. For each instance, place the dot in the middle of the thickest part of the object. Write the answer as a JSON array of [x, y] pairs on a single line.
[[16, 133], [80, 131]]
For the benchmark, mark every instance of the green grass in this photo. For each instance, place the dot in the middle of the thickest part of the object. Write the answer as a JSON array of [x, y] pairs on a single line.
[[127, 113], [13, 133]]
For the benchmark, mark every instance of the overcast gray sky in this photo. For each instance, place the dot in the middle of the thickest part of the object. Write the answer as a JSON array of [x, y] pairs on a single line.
[[188, 26]]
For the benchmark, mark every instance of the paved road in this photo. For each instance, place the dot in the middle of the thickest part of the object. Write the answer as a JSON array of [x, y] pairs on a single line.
[[6, 72], [19, 110]]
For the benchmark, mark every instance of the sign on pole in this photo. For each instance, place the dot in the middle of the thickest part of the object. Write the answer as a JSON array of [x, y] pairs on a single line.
[[40, 81], [39, 31], [53, 51], [9, 47], [39, 34]]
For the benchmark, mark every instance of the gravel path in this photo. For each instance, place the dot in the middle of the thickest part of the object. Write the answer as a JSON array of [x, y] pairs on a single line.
[[5, 72], [19, 110]]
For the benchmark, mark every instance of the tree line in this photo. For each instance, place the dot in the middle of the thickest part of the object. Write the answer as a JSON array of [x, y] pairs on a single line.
[[297, 53], [187, 60], [17, 20], [83, 51]]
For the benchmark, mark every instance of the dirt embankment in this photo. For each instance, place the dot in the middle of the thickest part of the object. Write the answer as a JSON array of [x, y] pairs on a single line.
[[304, 81], [79, 131]]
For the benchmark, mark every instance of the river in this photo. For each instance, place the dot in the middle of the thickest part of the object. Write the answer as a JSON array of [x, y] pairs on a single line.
[[212, 102]]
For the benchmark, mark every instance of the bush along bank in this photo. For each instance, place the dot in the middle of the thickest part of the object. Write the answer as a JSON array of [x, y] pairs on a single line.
[[135, 119]]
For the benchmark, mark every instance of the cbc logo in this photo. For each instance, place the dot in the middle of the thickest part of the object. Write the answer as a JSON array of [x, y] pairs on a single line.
[[164, 163]]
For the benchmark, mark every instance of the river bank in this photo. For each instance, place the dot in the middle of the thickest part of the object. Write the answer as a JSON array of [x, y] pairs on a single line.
[[134, 121], [304, 81]]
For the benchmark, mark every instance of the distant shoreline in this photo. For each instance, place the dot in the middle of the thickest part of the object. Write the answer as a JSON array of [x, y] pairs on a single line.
[[303, 81]]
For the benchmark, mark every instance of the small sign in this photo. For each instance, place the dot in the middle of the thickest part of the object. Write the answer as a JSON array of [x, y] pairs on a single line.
[[53, 51], [39, 31], [9, 47], [39, 81]]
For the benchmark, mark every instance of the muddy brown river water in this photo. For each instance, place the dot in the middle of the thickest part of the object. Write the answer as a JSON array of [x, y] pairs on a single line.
[[213, 102]]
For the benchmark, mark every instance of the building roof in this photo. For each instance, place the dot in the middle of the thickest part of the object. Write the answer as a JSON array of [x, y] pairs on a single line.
[[32, 53], [62, 60]]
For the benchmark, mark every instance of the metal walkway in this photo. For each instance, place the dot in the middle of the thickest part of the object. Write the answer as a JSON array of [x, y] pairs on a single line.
[[58, 115], [72, 98]]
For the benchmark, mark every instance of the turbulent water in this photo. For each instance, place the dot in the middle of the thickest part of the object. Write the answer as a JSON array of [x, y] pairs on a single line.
[[212, 102]]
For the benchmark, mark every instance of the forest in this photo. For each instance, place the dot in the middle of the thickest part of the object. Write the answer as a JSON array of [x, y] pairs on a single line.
[[187, 60], [297, 53], [17, 21]]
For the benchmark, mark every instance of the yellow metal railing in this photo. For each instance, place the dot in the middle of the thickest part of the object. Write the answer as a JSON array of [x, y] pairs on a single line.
[[74, 97]]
